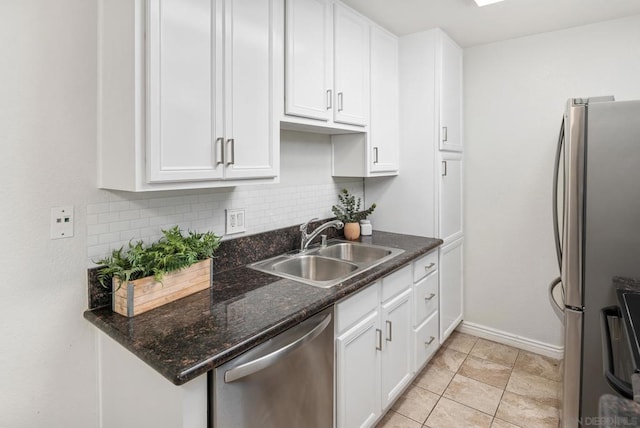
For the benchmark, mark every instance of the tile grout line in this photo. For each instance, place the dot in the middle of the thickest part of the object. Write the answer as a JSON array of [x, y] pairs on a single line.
[[467, 357]]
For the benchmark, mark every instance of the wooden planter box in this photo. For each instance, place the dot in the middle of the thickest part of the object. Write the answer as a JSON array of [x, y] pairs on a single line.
[[145, 294]]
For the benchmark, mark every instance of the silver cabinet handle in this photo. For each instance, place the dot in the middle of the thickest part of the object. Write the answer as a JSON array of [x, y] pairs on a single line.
[[379, 339], [269, 359], [430, 341], [429, 266], [430, 296], [389, 329], [329, 99], [444, 133], [375, 155], [219, 153], [339, 101], [232, 159], [444, 168]]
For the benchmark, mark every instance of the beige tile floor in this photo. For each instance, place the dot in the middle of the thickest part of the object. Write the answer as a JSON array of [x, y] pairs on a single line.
[[473, 382]]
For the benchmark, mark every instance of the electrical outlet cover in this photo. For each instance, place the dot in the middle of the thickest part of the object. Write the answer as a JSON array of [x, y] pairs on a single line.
[[62, 222], [235, 220]]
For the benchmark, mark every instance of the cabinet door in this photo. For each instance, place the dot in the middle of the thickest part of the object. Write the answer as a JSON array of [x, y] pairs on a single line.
[[450, 95], [450, 196], [383, 128], [425, 341], [308, 59], [351, 52], [397, 346], [357, 377], [251, 132], [450, 287], [183, 98]]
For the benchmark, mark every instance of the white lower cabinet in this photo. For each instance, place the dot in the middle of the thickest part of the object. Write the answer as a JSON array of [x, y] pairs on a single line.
[[133, 395], [426, 341], [357, 386], [374, 343], [426, 298], [396, 360], [450, 287]]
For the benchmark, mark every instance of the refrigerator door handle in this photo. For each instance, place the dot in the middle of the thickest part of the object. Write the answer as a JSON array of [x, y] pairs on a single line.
[[557, 308], [556, 173], [621, 386], [571, 272]]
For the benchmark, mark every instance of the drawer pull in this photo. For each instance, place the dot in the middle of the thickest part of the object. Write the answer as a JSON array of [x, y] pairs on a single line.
[[430, 341], [379, 339], [389, 327], [429, 266], [429, 297]]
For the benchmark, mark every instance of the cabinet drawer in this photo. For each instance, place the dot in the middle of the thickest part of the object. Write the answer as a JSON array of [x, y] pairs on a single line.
[[397, 282], [426, 341], [425, 265], [425, 297], [356, 307]]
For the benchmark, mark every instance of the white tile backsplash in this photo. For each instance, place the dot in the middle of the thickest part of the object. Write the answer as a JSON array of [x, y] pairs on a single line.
[[133, 217]]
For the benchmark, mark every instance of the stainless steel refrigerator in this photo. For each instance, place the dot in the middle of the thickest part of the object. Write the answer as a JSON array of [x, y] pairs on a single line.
[[597, 228]]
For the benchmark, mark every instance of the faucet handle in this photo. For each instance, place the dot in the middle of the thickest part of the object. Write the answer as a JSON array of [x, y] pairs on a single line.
[[303, 227]]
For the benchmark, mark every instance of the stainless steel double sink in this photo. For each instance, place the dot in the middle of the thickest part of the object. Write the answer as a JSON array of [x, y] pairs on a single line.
[[329, 265]]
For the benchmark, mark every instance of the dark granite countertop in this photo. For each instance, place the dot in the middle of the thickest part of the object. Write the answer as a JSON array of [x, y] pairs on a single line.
[[243, 308]]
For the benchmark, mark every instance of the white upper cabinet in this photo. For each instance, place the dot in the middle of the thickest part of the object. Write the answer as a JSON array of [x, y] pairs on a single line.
[[187, 93], [184, 101], [309, 59], [383, 128], [351, 53], [450, 58], [252, 132], [374, 153], [327, 67]]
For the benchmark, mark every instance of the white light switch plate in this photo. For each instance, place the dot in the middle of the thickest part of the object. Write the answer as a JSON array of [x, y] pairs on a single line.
[[235, 221]]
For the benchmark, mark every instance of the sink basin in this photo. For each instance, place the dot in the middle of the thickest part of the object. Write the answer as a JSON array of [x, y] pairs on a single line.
[[327, 266], [354, 252], [315, 268]]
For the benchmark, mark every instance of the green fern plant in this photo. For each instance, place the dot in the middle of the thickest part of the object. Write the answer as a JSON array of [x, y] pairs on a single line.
[[174, 251], [349, 209]]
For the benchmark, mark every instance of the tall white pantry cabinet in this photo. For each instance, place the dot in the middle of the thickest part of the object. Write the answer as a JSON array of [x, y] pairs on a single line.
[[426, 197]]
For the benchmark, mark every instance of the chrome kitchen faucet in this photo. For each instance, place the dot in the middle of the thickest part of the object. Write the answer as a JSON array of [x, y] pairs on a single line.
[[308, 237]]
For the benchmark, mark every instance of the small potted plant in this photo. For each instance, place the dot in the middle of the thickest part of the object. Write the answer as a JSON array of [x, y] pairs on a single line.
[[349, 213], [143, 278]]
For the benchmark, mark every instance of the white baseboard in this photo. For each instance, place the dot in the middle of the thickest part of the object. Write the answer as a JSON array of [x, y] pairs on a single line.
[[505, 338]]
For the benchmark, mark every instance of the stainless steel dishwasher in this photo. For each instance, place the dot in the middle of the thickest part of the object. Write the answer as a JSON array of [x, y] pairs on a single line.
[[284, 382]]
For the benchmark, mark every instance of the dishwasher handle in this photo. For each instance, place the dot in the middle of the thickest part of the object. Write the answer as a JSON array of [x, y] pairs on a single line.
[[308, 334], [621, 386]]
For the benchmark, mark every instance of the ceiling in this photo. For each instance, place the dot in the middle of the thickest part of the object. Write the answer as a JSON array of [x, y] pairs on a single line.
[[471, 25]]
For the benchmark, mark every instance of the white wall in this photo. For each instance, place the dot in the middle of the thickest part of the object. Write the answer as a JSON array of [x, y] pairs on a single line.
[[47, 159], [515, 93]]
